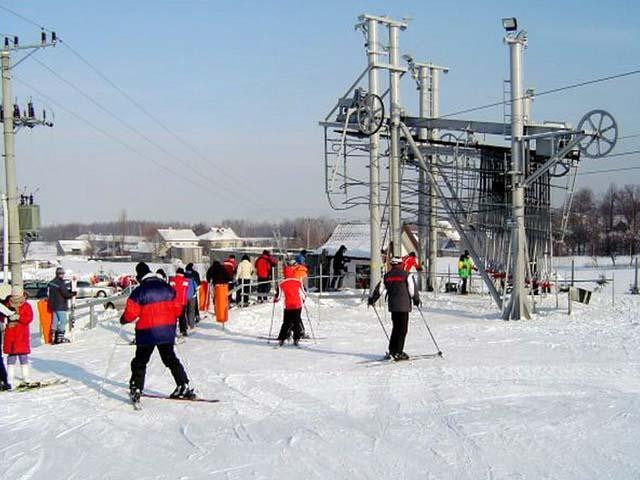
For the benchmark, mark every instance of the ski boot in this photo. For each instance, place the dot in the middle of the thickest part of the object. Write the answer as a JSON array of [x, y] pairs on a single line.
[[183, 391], [296, 343], [4, 386], [134, 394], [398, 357]]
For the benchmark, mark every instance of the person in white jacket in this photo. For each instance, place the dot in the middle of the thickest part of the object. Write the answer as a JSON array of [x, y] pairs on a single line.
[[244, 273]]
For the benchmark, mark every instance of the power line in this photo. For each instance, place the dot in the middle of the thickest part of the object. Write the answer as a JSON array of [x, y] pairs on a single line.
[[131, 100], [609, 170], [113, 137], [131, 127], [629, 136]]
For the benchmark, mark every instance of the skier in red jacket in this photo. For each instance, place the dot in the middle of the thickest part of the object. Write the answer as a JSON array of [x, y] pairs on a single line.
[[294, 295], [17, 344], [154, 308], [180, 285]]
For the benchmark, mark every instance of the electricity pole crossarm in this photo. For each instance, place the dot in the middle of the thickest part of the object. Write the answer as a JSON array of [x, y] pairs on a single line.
[[463, 234]]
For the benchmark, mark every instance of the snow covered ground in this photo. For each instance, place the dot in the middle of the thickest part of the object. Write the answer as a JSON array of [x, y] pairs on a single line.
[[554, 397]]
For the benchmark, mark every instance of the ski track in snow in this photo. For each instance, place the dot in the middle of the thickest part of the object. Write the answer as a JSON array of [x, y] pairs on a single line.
[[554, 397]]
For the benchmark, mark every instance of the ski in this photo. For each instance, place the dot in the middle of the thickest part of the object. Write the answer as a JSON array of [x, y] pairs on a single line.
[[167, 397], [275, 339], [385, 359], [36, 385]]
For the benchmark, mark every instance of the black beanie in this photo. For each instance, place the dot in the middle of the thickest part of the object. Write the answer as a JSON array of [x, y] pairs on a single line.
[[142, 269]]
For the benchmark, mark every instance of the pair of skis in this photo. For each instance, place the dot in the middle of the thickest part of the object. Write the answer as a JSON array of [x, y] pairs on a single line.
[[25, 387], [137, 405], [388, 359]]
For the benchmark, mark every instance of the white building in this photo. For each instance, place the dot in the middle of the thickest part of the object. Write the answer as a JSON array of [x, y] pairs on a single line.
[[220, 237], [180, 243]]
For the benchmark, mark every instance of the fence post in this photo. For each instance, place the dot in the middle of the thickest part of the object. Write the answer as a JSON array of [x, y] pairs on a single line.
[[613, 287], [573, 271], [569, 296], [320, 295], [92, 322]]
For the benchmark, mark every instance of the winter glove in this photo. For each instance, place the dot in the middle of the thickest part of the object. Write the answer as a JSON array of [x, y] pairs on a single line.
[[122, 320], [416, 302], [371, 302]]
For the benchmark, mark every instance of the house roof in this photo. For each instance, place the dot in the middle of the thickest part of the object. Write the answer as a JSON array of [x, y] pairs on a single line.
[[109, 238], [177, 235], [69, 245], [354, 236], [143, 247], [218, 234]]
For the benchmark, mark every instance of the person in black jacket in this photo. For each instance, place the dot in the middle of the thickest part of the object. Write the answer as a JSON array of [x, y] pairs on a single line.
[[339, 267], [217, 274], [59, 296], [401, 291]]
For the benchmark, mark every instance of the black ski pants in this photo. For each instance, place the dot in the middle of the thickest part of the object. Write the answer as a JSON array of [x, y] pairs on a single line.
[[182, 320], [168, 357], [264, 287], [190, 312], [464, 286], [292, 320], [398, 332]]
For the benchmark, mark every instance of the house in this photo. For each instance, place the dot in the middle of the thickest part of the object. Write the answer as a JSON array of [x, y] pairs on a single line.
[[144, 251], [180, 243], [220, 237], [110, 245], [73, 247]]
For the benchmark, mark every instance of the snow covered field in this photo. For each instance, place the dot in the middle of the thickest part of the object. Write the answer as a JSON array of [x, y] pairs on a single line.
[[554, 397]]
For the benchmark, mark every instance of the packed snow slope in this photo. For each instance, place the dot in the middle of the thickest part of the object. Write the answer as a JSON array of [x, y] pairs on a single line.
[[554, 397]]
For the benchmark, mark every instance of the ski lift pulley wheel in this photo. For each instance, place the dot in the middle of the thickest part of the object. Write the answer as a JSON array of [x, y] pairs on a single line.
[[370, 113], [603, 136], [447, 159], [559, 170]]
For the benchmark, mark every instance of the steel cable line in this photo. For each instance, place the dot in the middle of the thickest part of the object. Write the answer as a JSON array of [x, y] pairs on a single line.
[[113, 137], [134, 129], [546, 92], [608, 170]]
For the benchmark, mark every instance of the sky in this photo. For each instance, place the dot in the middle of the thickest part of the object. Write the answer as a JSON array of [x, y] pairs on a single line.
[[241, 86]]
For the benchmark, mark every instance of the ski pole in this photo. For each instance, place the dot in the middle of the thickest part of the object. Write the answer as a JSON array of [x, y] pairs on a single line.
[[310, 322], [380, 320], [429, 330], [113, 351], [273, 312]]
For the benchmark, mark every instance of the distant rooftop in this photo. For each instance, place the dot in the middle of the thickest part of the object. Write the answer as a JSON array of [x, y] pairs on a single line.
[[219, 233], [177, 235]]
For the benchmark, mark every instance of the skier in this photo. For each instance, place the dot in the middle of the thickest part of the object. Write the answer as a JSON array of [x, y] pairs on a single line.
[[301, 258], [162, 274], [399, 289], [192, 273], [219, 278], [244, 273], [339, 268], [155, 307], [5, 313], [59, 296], [410, 264], [294, 295], [180, 286], [465, 266], [17, 344], [265, 263]]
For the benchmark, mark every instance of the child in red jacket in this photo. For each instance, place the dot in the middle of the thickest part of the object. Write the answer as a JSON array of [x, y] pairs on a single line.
[[17, 344]]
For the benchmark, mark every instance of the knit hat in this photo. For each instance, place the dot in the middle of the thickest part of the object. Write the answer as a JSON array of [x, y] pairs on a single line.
[[142, 269], [59, 271]]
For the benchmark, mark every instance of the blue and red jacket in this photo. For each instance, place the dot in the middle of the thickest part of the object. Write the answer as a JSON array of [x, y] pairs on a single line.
[[155, 306]]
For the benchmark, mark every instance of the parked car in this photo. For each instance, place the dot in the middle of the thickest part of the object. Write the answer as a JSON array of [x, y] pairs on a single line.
[[36, 289], [86, 290]]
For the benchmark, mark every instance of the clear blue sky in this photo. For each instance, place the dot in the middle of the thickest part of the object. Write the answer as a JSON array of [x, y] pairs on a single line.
[[245, 82]]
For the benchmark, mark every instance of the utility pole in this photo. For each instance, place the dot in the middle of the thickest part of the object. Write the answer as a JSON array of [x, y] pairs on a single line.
[[428, 78], [394, 154], [375, 264], [12, 119], [517, 308]]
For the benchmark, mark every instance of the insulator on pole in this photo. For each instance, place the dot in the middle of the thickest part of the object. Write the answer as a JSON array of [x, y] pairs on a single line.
[[54, 39], [6, 42], [15, 41], [16, 111], [1, 113], [30, 111], [43, 38]]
